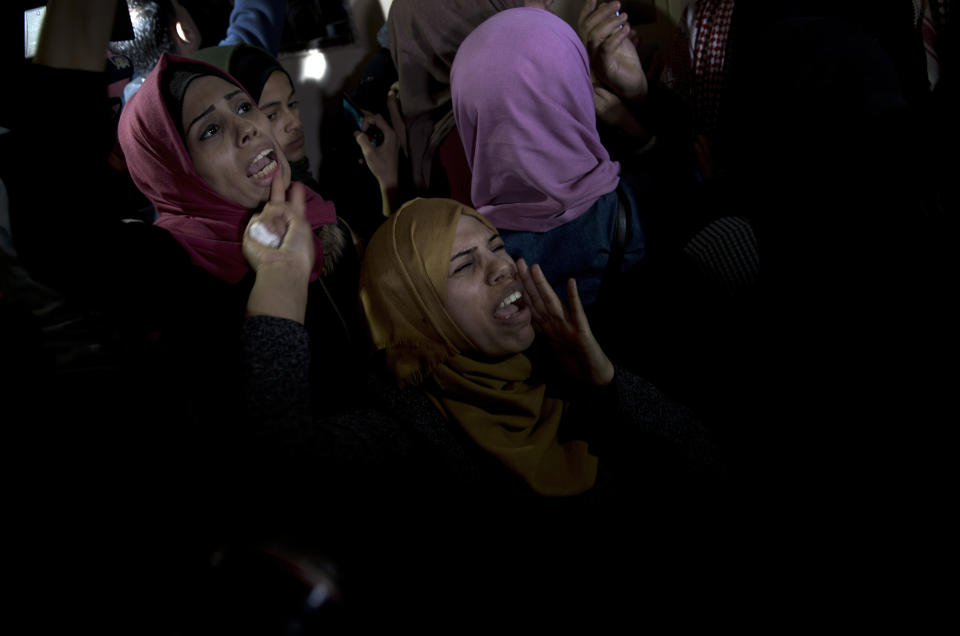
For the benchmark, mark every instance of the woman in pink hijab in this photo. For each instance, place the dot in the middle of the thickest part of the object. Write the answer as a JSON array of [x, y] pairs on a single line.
[[523, 103], [197, 146], [199, 149]]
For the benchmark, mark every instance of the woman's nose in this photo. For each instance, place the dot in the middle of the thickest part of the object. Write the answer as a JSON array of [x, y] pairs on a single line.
[[246, 130], [499, 269]]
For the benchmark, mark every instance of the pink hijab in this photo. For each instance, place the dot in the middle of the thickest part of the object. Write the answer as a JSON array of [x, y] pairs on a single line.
[[208, 226], [523, 103]]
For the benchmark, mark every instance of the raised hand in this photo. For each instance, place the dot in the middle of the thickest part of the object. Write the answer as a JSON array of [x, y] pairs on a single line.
[[283, 271], [284, 221], [568, 330], [606, 34], [383, 160]]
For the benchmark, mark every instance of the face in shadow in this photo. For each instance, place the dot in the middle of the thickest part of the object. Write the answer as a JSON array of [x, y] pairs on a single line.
[[278, 101], [484, 292], [230, 142]]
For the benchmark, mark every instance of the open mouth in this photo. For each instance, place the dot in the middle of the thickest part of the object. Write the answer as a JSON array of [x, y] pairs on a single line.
[[510, 306], [263, 165]]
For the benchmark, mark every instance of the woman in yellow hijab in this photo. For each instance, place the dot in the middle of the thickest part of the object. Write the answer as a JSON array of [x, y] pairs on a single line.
[[455, 315], [500, 470]]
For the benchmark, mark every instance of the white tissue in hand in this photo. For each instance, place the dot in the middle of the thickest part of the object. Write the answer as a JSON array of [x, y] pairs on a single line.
[[260, 234]]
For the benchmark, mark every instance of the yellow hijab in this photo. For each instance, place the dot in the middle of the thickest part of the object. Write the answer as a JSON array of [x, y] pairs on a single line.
[[403, 287]]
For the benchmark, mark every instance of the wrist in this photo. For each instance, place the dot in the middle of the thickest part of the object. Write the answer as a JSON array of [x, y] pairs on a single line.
[[279, 291], [605, 376], [284, 273], [388, 194], [634, 93]]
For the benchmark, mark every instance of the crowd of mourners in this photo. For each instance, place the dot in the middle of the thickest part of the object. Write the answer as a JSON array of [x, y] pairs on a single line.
[[567, 327]]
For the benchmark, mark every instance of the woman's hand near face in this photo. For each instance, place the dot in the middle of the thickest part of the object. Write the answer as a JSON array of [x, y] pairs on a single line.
[[383, 160], [283, 271], [286, 220], [613, 56], [568, 330]]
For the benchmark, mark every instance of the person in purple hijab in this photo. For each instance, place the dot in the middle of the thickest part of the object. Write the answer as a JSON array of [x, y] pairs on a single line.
[[523, 102]]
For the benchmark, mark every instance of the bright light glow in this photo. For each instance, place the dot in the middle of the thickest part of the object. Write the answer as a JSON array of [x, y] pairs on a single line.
[[314, 66], [180, 33], [136, 15], [32, 21]]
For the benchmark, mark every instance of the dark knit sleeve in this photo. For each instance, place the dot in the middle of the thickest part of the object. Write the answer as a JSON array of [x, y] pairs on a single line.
[[643, 409], [289, 421], [277, 372], [630, 418]]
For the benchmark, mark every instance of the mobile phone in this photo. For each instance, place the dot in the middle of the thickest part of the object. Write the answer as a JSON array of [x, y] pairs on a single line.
[[355, 116]]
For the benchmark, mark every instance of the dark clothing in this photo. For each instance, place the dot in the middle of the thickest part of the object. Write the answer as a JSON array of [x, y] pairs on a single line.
[[393, 490], [581, 249], [300, 171], [131, 439]]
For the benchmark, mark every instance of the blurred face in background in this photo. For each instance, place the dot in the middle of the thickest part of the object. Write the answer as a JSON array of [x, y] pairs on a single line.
[[278, 101]]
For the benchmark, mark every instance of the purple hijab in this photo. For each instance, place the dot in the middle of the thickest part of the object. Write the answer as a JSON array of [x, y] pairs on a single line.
[[523, 104]]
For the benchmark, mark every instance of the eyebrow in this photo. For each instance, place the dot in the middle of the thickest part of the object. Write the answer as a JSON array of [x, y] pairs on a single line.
[[277, 102], [493, 238], [209, 109]]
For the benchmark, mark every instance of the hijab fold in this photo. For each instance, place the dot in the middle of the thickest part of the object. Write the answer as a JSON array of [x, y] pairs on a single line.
[[424, 37], [249, 65], [497, 403], [523, 104], [207, 225]]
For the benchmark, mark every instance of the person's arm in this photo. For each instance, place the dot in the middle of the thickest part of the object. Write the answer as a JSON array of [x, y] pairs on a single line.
[[383, 160], [258, 23]]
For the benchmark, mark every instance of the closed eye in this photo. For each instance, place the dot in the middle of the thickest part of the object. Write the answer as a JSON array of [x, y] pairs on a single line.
[[461, 268]]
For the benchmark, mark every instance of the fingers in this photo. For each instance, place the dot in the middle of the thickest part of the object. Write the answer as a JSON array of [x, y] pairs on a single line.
[[363, 141], [576, 306], [253, 220], [277, 194], [373, 118], [603, 22], [298, 200], [588, 7], [549, 303], [613, 42], [551, 300], [532, 294]]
